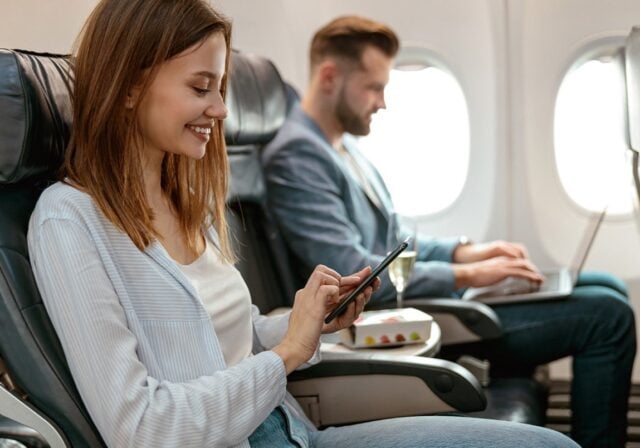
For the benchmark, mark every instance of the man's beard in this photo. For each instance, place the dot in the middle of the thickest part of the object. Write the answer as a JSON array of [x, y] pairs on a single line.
[[349, 120]]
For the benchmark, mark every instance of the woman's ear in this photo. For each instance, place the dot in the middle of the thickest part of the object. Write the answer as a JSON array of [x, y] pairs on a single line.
[[132, 98]]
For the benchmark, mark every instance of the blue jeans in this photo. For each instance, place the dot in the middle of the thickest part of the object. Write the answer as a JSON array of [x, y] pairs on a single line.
[[596, 326], [277, 431], [412, 432], [440, 432]]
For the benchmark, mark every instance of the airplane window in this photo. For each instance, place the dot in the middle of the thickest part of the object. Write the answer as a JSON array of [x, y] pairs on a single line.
[[420, 143], [590, 136]]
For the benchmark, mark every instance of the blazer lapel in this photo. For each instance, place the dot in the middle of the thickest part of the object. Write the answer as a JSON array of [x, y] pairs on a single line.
[[382, 201]]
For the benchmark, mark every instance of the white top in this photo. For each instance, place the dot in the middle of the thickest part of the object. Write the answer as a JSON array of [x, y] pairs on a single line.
[[226, 298]]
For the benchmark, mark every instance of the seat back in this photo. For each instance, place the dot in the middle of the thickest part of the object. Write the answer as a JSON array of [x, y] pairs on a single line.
[[258, 104], [632, 76], [35, 118]]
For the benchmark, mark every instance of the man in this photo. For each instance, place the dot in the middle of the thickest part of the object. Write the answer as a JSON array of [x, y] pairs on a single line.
[[333, 208]]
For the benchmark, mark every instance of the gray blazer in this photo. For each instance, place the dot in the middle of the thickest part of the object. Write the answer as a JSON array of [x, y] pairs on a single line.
[[140, 345], [326, 217]]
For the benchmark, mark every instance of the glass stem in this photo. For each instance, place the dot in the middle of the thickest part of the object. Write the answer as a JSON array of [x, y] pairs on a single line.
[[400, 298]]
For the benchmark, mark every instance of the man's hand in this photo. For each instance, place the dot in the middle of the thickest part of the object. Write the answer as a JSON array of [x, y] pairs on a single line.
[[488, 272], [477, 252]]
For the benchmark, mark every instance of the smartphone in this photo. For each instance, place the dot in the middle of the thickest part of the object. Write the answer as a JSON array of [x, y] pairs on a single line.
[[367, 281]]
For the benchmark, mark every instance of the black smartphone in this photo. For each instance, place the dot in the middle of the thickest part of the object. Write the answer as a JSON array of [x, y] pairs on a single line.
[[367, 281]]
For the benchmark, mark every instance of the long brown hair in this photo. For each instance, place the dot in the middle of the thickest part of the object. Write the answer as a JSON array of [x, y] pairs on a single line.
[[122, 45]]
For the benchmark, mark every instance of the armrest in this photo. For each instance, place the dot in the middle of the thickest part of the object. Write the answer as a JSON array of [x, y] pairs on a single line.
[[372, 387], [10, 430], [460, 320], [23, 413]]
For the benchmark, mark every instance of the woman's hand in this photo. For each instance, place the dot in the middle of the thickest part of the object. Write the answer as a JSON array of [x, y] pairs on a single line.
[[348, 284], [321, 293]]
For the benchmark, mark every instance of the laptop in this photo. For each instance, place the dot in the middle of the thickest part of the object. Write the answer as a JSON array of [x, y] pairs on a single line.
[[557, 284]]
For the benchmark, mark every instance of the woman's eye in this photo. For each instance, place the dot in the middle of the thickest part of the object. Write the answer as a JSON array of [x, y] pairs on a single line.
[[201, 92]]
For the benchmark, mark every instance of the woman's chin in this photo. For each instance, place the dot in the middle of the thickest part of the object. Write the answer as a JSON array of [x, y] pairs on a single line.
[[193, 153]]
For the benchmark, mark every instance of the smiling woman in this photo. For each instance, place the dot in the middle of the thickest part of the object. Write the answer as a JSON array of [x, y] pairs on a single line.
[[115, 120], [175, 118], [130, 250]]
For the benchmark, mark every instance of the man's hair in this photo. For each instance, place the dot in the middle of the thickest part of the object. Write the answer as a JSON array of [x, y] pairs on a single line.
[[122, 45], [347, 37]]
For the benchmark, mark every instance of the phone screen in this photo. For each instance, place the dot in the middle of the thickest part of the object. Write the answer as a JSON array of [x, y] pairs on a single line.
[[378, 269]]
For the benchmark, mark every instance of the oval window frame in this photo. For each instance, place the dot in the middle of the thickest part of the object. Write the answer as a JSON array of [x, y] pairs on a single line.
[[609, 46], [415, 57]]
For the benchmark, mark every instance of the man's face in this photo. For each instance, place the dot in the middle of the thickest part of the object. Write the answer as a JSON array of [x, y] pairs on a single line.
[[362, 91]]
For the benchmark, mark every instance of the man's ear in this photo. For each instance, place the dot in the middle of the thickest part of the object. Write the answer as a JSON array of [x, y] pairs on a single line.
[[329, 76]]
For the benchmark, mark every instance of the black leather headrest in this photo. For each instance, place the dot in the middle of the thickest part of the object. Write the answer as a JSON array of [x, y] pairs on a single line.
[[35, 109], [257, 101], [35, 114]]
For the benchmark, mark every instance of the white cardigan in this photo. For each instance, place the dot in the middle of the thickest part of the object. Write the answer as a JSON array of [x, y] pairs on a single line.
[[140, 345]]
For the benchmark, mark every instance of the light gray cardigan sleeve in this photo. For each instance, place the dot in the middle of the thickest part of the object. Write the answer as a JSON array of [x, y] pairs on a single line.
[[128, 406]]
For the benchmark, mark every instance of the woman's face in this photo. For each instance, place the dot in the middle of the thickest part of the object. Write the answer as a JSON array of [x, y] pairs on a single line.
[[183, 103]]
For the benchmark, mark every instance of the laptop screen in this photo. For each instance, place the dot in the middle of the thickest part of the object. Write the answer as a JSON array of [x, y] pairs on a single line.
[[587, 241]]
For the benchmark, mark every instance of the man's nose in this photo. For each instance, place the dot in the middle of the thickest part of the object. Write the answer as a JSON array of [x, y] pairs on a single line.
[[382, 104]]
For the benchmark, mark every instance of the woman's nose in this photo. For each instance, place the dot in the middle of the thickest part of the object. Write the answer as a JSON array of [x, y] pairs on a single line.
[[217, 109]]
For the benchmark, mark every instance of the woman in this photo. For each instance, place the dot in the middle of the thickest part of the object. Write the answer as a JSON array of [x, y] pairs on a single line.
[[131, 255]]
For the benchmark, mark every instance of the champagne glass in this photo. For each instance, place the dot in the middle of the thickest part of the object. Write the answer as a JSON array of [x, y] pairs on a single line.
[[400, 269]]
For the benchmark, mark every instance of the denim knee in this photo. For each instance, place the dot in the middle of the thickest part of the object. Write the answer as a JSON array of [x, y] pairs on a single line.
[[617, 315], [622, 313]]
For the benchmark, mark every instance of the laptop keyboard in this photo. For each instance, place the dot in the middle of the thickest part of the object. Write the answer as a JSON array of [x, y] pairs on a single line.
[[517, 285], [551, 282]]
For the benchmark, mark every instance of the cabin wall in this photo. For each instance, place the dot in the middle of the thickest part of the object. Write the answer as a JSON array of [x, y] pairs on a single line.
[[37, 25], [544, 39], [447, 28]]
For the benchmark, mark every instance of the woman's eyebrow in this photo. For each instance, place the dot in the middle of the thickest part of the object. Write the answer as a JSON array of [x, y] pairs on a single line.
[[206, 74]]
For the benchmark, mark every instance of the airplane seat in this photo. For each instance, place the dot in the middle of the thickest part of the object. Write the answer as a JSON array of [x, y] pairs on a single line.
[[36, 390], [258, 102], [632, 83], [293, 96], [513, 396]]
